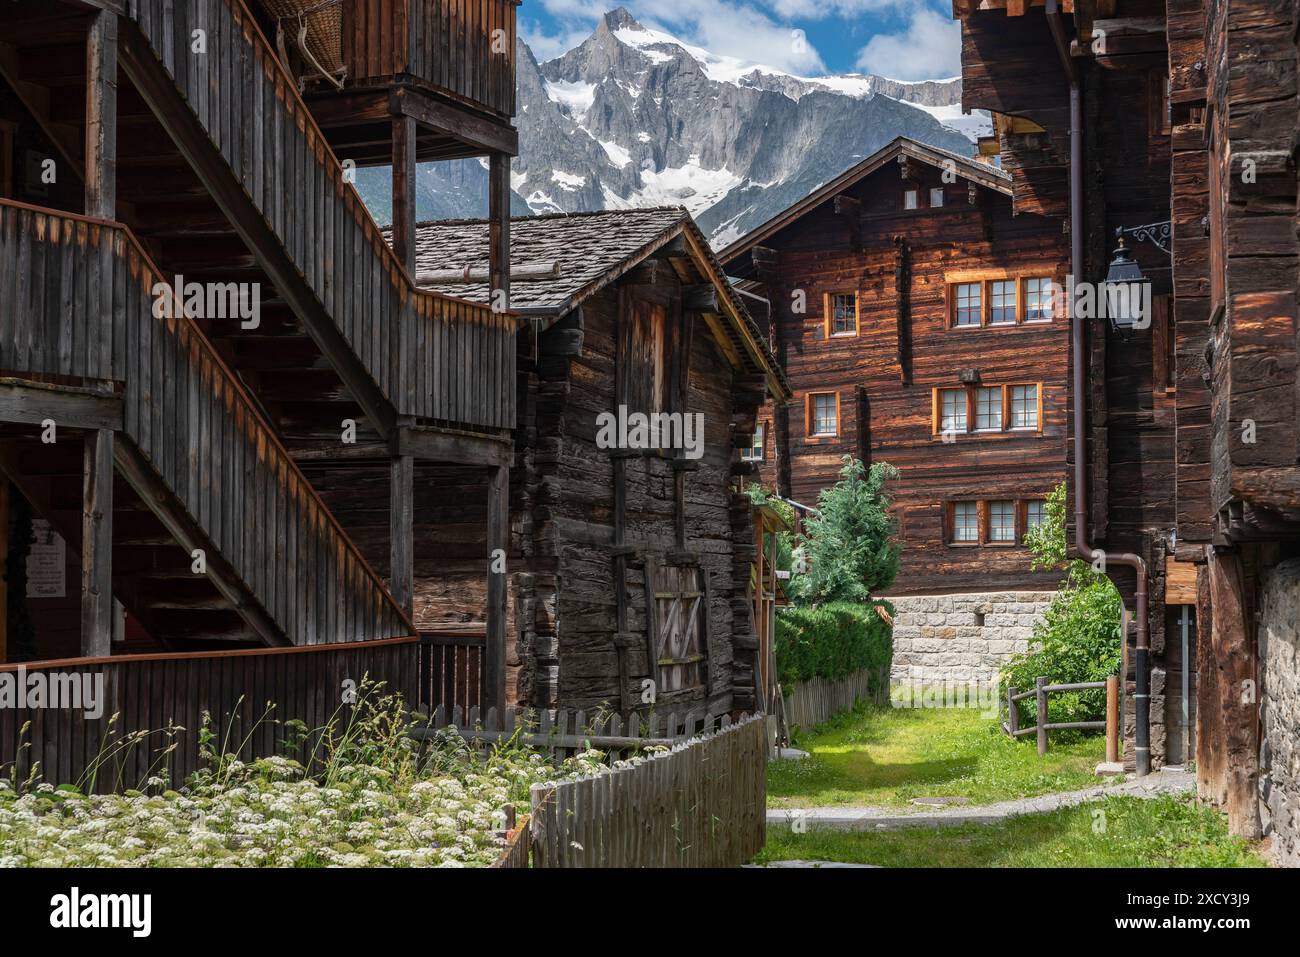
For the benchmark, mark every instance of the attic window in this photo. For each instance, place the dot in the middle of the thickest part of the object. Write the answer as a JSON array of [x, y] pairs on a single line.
[[936, 196], [909, 199]]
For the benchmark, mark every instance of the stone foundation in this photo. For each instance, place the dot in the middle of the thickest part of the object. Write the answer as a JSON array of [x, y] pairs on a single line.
[[962, 637], [1279, 665]]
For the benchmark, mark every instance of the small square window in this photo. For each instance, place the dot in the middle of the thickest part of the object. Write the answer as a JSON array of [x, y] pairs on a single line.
[[988, 409], [754, 452], [1024, 406], [909, 199], [1039, 296], [969, 300], [1002, 302], [1035, 513], [1002, 521], [824, 415], [965, 522], [844, 314], [936, 196], [952, 410]]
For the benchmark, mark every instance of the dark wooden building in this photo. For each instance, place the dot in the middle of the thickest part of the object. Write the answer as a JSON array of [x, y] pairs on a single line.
[[202, 328], [1186, 130], [628, 564], [914, 313]]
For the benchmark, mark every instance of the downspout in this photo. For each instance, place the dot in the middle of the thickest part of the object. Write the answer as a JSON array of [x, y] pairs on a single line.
[[1141, 659]]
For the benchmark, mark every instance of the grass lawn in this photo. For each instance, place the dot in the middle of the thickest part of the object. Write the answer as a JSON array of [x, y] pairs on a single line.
[[1117, 832], [888, 756]]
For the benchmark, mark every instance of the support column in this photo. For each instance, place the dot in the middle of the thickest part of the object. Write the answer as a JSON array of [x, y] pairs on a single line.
[[97, 546], [404, 133], [498, 545], [499, 229], [401, 512], [101, 116], [4, 569]]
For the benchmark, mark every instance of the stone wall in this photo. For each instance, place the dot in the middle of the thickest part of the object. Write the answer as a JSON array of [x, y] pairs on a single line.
[[1279, 665], [962, 637]]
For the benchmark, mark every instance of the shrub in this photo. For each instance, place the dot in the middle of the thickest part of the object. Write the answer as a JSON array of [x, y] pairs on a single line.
[[849, 542], [1079, 636], [831, 641]]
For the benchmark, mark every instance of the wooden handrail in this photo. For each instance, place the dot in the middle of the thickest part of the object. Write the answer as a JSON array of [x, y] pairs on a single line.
[[1041, 725]]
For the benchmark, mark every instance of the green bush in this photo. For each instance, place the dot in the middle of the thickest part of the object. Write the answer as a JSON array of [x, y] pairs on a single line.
[[831, 641], [1078, 638]]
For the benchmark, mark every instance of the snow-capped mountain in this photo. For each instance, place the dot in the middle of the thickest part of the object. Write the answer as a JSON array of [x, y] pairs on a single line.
[[636, 117]]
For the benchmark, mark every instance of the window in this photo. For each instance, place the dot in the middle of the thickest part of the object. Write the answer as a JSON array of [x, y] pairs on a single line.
[[842, 314], [679, 631], [1002, 522], [754, 452], [1002, 302], [969, 309], [1035, 513], [909, 199], [936, 196], [823, 414], [952, 410], [988, 409], [1024, 406], [1039, 293], [965, 522]]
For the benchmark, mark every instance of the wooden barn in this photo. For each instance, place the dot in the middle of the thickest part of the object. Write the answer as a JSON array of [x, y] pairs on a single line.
[[206, 344], [1168, 125], [628, 564]]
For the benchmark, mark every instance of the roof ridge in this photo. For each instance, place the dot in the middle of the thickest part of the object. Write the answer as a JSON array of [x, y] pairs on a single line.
[[532, 217]]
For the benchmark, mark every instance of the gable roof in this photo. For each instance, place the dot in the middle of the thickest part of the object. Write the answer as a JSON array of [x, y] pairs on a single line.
[[592, 251], [967, 167]]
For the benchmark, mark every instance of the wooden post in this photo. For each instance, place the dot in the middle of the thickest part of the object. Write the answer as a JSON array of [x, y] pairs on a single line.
[[4, 569], [1013, 712], [101, 116], [1040, 699], [1234, 653], [499, 228], [1211, 777], [97, 546], [498, 543], [1112, 719], [401, 514], [404, 134]]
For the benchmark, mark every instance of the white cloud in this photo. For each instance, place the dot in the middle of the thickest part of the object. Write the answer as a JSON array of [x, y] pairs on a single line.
[[930, 48], [548, 46]]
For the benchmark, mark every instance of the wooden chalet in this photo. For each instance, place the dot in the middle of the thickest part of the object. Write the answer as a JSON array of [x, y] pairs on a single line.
[[189, 463], [1175, 123], [913, 312], [628, 565]]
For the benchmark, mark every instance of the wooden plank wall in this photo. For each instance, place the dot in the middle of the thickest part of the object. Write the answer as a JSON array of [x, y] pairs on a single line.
[[701, 804], [817, 255], [148, 693], [76, 300], [434, 357]]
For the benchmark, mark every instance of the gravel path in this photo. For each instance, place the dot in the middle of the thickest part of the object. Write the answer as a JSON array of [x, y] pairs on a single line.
[[1172, 781]]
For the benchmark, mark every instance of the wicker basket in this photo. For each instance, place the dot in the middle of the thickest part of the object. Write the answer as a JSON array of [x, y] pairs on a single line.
[[323, 20]]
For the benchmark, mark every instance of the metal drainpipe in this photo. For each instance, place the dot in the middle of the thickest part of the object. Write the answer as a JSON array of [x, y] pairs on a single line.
[[1141, 658]]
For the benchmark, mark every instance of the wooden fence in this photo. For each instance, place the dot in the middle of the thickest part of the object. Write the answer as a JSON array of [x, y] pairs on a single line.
[[451, 670], [815, 700], [148, 693], [1042, 726], [700, 804]]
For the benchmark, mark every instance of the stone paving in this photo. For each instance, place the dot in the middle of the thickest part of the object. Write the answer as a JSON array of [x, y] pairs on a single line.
[[1166, 781]]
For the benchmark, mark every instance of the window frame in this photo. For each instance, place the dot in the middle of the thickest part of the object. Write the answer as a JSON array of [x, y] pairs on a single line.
[[755, 444], [809, 416], [942, 197], [1010, 403], [956, 307], [972, 409], [915, 195], [999, 406], [828, 316], [984, 521], [1019, 280], [1015, 538]]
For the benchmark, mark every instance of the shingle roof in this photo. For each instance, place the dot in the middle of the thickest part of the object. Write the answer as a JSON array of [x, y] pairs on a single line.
[[588, 246]]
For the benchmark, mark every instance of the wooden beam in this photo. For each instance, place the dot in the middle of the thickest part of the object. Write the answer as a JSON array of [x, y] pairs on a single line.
[[499, 229], [701, 298], [498, 543], [483, 134], [461, 448], [101, 116], [31, 403], [4, 569], [404, 132], [401, 531], [97, 545]]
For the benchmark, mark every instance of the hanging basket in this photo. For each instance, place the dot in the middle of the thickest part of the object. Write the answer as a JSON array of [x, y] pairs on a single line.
[[315, 27]]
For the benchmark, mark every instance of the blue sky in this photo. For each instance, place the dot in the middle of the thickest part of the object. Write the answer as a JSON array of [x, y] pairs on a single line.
[[902, 39]]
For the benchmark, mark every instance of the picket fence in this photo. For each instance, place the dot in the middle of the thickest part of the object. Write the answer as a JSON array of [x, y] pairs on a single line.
[[815, 700], [701, 803]]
